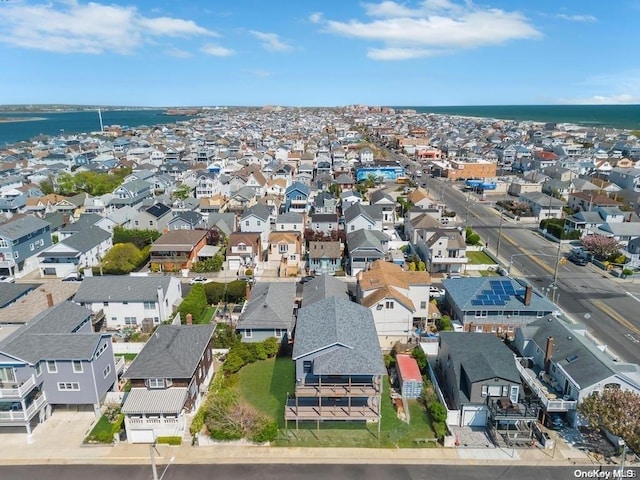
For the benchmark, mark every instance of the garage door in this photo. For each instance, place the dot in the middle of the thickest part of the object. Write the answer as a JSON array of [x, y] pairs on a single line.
[[140, 436], [234, 265], [474, 417]]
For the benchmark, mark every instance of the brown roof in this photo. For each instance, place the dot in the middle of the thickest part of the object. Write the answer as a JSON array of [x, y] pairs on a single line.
[[284, 237], [328, 249], [35, 302], [417, 195], [388, 292], [217, 199], [179, 240], [248, 238], [384, 273]]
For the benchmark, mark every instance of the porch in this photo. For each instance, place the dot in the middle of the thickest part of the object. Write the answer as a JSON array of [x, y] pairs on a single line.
[[542, 386]]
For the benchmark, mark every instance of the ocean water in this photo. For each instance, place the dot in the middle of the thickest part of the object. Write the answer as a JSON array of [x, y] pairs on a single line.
[[76, 122], [611, 116]]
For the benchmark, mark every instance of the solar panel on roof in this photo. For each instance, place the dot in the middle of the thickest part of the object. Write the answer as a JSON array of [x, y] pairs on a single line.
[[476, 302]]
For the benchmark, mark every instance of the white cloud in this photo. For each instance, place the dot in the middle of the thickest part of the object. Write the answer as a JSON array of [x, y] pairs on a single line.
[[217, 50], [577, 18], [271, 41], [621, 99], [179, 53], [434, 27], [94, 28], [315, 17]]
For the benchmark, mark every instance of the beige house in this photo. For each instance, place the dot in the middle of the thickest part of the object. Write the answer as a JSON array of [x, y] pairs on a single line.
[[285, 253]]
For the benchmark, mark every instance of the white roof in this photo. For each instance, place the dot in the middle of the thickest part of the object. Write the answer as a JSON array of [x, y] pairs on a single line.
[[141, 401]]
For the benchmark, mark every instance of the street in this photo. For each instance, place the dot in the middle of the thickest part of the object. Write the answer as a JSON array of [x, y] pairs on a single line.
[[607, 306], [308, 472]]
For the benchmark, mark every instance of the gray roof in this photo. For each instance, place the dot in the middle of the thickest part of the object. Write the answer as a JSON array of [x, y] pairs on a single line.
[[289, 217], [465, 293], [542, 199], [261, 211], [483, 356], [15, 229], [140, 400], [49, 336], [192, 218], [270, 306], [225, 222], [173, 351], [368, 239], [85, 240], [370, 212], [345, 331], [121, 288], [588, 365], [380, 195], [10, 292], [85, 220], [321, 287]]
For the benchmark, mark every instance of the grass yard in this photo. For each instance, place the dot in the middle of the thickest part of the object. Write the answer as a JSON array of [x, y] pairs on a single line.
[[128, 357], [479, 258], [488, 273], [206, 316], [104, 430], [265, 385]]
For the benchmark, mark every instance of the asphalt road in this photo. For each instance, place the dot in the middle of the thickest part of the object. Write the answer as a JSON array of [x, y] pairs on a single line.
[[608, 307], [307, 472]]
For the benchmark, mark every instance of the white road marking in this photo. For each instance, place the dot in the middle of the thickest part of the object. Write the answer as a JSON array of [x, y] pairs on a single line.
[[633, 296]]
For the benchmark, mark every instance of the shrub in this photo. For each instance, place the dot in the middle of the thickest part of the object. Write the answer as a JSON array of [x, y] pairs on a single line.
[[267, 433], [440, 429], [198, 422], [112, 411], [420, 357], [437, 411], [271, 346], [248, 272], [140, 238], [169, 440], [233, 292], [627, 271], [225, 336], [444, 324], [195, 303], [233, 363]]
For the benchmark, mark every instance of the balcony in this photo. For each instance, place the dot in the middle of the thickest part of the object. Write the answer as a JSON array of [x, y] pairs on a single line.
[[21, 416], [504, 409], [7, 263], [545, 393], [450, 260], [15, 390], [337, 390], [329, 412]]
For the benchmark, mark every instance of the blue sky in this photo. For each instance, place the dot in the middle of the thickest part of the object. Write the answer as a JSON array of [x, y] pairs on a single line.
[[319, 53]]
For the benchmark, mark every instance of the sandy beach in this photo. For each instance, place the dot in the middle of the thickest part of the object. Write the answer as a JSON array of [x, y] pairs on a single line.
[[20, 119]]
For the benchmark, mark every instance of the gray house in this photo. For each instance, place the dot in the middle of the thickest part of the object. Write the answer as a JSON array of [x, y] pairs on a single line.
[[365, 247], [325, 257], [339, 364], [131, 193], [54, 360], [20, 242], [473, 370], [187, 221], [268, 312]]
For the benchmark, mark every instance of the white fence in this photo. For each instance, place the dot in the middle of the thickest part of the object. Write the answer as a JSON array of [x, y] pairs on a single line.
[[120, 348], [453, 416]]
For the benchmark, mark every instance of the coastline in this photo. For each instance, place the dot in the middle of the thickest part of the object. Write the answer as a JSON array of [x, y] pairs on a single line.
[[21, 119]]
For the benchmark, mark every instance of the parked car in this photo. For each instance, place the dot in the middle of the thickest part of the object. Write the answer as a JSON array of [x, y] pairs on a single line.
[[249, 280], [306, 279], [5, 279], [73, 277], [577, 259], [197, 280], [435, 292]]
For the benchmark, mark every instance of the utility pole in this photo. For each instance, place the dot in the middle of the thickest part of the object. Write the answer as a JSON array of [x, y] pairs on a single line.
[[500, 232]]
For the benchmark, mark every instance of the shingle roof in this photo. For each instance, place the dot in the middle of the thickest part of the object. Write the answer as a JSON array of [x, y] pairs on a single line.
[[140, 400], [324, 249], [289, 217], [15, 229], [173, 351], [86, 239], [259, 210], [346, 331], [370, 212], [85, 220], [270, 305], [192, 218], [49, 336], [365, 239], [10, 292], [121, 288], [384, 273], [178, 240], [321, 287]]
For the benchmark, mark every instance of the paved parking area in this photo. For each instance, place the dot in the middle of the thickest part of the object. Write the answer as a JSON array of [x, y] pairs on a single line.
[[472, 437]]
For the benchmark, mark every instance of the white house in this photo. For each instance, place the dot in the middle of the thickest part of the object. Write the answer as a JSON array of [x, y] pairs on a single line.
[[257, 220], [290, 222], [129, 301], [363, 217]]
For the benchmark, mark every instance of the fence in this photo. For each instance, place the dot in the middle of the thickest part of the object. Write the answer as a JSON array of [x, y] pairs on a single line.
[[120, 348]]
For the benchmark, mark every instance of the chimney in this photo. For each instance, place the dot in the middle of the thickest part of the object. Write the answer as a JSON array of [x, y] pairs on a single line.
[[527, 295], [189, 319], [50, 299], [548, 353]]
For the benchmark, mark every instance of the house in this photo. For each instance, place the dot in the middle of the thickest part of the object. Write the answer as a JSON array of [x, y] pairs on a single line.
[[296, 197], [363, 217], [81, 250], [420, 198], [626, 178], [168, 380], [72, 206], [243, 250], [499, 306], [208, 185], [563, 366], [324, 202], [324, 222], [213, 204], [321, 287], [398, 300], [55, 360], [325, 257], [444, 250], [268, 312], [225, 223], [365, 247], [387, 204], [242, 199], [156, 217], [132, 302], [338, 363], [284, 253], [475, 372], [588, 201], [542, 206], [349, 197], [85, 221], [290, 222], [177, 249], [346, 182], [21, 240], [131, 193], [187, 221], [257, 219]]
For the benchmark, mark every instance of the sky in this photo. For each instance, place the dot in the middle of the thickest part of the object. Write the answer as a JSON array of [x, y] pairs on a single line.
[[319, 52]]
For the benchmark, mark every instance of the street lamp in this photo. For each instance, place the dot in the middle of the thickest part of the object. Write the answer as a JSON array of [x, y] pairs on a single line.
[[500, 232]]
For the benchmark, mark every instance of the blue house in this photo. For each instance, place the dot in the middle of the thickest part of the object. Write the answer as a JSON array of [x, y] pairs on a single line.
[[20, 242], [296, 197]]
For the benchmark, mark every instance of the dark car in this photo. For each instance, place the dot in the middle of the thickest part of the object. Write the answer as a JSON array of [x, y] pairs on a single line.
[[577, 259], [306, 279]]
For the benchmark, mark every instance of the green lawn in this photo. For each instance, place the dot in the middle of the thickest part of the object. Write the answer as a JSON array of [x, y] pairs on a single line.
[[479, 258], [488, 273], [128, 357], [206, 316], [265, 385], [104, 430]]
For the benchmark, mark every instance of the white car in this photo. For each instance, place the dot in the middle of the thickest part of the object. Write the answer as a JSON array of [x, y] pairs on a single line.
[[5, 279], [435, 292], [196, 280]]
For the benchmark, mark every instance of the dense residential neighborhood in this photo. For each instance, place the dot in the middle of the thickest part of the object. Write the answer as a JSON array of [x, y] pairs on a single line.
[[320, 252]]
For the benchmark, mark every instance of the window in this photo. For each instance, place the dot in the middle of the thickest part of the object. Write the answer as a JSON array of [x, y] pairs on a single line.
[[125, 303], [150, 222], [248, 333], [278, 333], [3, 243], [423, 305], [114, 319], [157, 383], [259, 223], [52, 367], [246, 223], [149, 305], [389, 305], [306, 366], [77, 366], [479, 329], [69, 386], [485, 390], [7, 375], [101, 350], [106, 371], [16, 254], [31, 247], [136, 222], [353, 227], [283, 248], [481, 314], [505, 390], [130, 321], [105, 304], [242, 248], [38, 369]]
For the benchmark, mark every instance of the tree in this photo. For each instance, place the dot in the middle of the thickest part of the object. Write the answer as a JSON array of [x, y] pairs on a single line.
[[182, 192], [617, 411], [600, 246], [335, 190], [422, 267], [121, 259], [140, 238], [444, 324], [420, 358], [47, 186], [194, 303]]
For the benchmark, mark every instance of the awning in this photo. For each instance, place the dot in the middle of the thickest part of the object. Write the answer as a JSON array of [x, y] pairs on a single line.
[[141, 401]]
